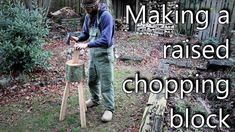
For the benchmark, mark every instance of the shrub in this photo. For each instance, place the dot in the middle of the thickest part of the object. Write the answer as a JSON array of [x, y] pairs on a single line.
[[21, 38]]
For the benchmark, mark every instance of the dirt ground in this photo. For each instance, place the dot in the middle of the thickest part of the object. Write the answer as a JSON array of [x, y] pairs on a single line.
[[32, 101]]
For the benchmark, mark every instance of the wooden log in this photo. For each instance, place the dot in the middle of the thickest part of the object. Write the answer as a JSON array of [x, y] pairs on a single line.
[[75, 58], [131, 58], [75, 72], [64, 102], [152, 120], [216, 65]]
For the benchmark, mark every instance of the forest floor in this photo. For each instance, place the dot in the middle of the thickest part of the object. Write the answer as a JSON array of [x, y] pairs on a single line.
[[32, 102]]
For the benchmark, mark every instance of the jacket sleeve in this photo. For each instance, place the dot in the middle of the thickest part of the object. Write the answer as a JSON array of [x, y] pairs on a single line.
[[106, 27], [85, 32]]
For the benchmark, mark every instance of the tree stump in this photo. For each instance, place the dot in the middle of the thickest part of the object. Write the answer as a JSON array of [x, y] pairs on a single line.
[[75, 72]]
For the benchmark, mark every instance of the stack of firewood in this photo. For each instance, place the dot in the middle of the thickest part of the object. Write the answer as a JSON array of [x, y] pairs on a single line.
[[155, 29], [67, 17], [159, 29]]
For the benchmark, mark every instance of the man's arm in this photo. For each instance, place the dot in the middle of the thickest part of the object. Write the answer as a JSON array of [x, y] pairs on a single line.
[[105, 38], [85, 33]]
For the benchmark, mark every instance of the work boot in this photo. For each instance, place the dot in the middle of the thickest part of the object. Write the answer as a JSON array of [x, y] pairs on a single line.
[[107, 116], [90, 103]]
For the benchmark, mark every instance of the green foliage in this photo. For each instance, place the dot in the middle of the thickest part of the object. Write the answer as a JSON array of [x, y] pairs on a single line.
[[21, 38], [211, 40], [194, 107]]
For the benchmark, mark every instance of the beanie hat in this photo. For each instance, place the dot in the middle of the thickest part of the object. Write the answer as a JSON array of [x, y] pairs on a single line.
[[89, 3]]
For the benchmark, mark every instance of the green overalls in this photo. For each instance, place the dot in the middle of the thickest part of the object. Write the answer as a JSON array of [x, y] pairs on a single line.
[[100, 72]]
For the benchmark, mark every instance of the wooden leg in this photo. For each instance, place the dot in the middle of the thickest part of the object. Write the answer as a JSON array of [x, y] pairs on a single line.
[[64, 102], [82, 105], [84, 97]]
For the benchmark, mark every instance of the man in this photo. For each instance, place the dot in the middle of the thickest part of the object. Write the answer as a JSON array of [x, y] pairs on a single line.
[[97, 31]]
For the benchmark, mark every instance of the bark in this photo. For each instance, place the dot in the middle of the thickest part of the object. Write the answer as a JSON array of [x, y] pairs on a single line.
[[75, 72], [28, 4]]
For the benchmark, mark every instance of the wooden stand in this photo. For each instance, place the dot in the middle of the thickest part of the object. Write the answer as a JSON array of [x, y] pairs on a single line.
[[75, 72]]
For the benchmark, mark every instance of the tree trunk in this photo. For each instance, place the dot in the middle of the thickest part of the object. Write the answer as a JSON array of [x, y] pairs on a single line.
[[28, 4], [75, 72], [46, 7], [152, 120], [109, 4]]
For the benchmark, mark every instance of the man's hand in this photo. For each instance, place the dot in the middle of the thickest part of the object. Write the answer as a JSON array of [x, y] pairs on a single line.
[[80, 46], [73, 40]]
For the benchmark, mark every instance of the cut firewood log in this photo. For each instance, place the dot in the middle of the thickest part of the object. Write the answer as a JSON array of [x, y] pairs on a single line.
[[152, 120], [219, 64], [75, 72]]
